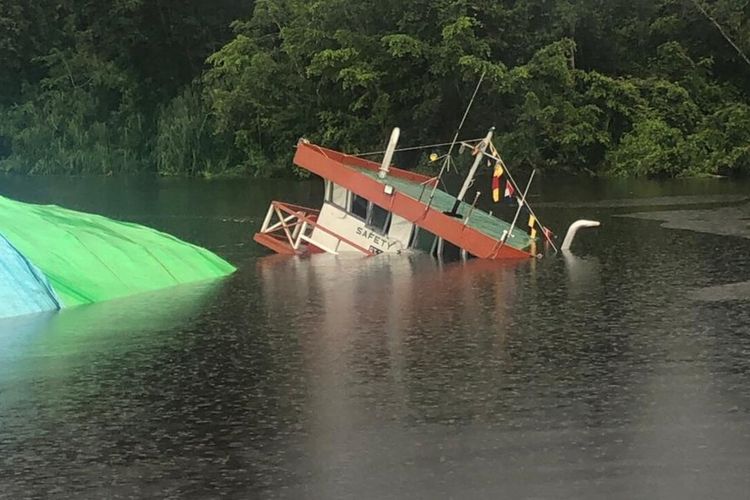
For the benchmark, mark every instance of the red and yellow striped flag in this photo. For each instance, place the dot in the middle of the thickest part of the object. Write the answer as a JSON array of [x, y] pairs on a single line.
[[496, 182], [532, 227]]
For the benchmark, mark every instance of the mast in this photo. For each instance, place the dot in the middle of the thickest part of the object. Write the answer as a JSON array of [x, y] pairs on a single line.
[[447, 161], [472, 172]]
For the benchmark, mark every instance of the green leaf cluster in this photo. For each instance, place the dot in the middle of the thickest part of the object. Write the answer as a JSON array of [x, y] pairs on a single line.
[[87, 87], [604, 88]]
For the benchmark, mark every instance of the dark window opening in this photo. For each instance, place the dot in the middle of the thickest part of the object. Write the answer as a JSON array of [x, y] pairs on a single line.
[[380, 219], [329, 192], [359, 206], [450, 252], [423, 240]]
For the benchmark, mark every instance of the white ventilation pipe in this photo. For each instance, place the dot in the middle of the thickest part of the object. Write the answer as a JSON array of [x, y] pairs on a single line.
[[573, 229], [386, 165]]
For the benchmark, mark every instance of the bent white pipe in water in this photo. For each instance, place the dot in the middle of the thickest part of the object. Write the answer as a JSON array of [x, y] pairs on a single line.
[[573, 229]]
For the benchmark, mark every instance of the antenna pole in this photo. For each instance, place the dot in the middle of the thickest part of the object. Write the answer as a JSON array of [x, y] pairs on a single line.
[[455, 138]]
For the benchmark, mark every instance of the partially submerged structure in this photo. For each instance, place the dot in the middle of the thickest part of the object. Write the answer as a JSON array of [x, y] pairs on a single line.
[[52, 257], [372, 208]]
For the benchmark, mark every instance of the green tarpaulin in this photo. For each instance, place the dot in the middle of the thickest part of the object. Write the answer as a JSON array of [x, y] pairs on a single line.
[[89, 258]]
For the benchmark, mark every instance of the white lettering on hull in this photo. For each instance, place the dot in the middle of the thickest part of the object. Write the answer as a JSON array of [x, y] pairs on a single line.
[[344, 225]]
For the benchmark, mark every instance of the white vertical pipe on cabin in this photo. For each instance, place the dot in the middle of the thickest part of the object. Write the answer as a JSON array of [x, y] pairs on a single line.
[[470, 178], [385, 166]]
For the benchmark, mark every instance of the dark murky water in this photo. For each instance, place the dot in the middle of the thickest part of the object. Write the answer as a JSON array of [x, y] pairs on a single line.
[[621, 373]]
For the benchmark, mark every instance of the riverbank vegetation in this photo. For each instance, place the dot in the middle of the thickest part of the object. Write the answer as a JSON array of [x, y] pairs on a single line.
[[221, 87]]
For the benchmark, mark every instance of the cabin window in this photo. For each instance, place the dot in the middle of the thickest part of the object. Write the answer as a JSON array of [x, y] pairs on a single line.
[[328, 191], [375, 217], [450, 252], [380, 218], [423, 240], [338, 196], [359, 206]]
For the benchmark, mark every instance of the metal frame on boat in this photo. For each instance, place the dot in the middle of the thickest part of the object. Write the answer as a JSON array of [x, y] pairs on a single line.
[[293, 231]]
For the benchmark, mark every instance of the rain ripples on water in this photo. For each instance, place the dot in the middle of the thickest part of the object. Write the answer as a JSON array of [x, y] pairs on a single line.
[[618, 372]]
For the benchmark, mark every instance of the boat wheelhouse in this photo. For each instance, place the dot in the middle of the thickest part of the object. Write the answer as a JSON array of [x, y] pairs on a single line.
[[373, 208]]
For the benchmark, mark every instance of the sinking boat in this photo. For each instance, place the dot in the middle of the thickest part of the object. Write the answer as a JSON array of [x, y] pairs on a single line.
[[373, 208]]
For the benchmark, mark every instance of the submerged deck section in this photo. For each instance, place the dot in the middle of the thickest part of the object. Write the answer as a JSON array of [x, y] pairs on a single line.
[[443, 202]]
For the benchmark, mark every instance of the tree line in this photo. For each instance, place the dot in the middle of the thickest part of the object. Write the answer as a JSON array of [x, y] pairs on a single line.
[[221, 87]]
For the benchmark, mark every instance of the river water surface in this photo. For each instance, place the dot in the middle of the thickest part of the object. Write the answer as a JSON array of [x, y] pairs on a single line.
[[621, 372]]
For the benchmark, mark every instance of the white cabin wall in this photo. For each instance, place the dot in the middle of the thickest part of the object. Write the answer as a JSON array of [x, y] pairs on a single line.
[[334, 219], [354, 229], [400, 231]]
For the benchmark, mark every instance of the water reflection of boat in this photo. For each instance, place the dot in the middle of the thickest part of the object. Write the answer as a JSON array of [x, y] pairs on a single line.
[[379, 342], [339, 294], [372, 208]]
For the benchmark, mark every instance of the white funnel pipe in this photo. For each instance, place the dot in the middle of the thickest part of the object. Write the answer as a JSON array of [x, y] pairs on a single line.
[[385, 166], [573, 229]]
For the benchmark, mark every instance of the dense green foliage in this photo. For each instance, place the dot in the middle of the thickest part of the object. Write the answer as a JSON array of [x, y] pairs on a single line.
[[88, 86], [613, 87]]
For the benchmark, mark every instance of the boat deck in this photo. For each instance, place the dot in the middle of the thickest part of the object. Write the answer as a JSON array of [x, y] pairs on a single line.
[[442, 201]]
